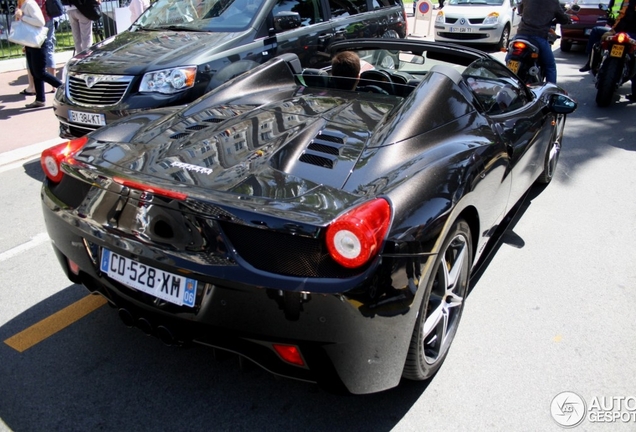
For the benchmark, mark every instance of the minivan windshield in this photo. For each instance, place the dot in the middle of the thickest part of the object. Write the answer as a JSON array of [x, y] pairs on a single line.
[[476, 2], [199, 15]]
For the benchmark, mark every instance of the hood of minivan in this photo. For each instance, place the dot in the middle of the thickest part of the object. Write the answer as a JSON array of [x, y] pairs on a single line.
[[137, 52]]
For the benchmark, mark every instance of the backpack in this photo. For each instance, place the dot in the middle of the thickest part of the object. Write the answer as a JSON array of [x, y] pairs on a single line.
[[54, 8], [89, 8]]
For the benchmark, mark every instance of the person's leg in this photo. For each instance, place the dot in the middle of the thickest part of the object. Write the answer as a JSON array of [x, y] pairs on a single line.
[[86, 32], [75, 28], [31, 87], [36, 64], [546, 58], [595, 36], [49, 49]]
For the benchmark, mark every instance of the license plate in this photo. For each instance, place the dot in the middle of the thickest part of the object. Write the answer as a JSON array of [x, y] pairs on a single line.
[[460, 30], [161, 284], [92, 119], [513, 65], [617, 51]]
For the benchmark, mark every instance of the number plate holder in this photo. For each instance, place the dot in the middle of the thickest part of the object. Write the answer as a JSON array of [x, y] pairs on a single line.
[[617, 51], [93, 119], [513, 65], [167, 286]]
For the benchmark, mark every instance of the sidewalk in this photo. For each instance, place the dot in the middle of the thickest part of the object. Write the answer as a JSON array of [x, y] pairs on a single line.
[[22, 127]]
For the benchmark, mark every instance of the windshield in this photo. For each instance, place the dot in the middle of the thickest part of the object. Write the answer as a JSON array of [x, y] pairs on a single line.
[[476, 2], [590, 2], [200, 15]]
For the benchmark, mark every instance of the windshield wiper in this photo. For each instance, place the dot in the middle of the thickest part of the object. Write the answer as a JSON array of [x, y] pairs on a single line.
[[173, 28]]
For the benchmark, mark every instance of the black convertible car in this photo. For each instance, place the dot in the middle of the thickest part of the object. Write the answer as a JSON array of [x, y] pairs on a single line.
[[327, 235]]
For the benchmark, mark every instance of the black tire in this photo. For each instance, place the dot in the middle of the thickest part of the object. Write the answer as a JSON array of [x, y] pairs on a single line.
[[442, 303], [566, 46], [553, 152], [606, 81], [504, 39]]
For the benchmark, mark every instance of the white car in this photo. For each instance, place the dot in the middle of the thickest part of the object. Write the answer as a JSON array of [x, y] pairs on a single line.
[[477, 22]]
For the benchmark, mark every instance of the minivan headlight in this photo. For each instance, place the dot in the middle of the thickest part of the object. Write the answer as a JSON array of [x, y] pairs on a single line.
[[492, 18], [168, 81]]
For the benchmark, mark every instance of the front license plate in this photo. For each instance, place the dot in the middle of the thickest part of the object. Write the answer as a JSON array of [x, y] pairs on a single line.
[[161, 284], [513, 65], [617, 51], [460, 30], [93, 119]]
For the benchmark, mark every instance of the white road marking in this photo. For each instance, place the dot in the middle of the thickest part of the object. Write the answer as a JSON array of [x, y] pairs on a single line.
[[34, 242]]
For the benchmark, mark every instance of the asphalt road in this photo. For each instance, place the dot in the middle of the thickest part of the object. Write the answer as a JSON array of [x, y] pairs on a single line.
[[552, 312]]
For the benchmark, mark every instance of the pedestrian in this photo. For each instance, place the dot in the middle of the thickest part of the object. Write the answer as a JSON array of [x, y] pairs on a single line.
[[537, 17], [136, 8], [49, 49], [29, 11], [81, 27]]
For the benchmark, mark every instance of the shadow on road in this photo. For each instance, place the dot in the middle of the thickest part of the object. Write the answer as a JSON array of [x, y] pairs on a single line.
[[98, 374]]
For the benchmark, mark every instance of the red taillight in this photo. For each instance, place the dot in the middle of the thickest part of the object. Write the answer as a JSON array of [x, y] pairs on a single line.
[[289, 353], [518, 47], [152, 189], [575, 18], [356, 236], [52, 158], [622, 37]]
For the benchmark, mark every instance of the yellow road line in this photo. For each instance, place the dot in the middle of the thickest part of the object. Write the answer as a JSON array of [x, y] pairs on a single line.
[[54, 323]]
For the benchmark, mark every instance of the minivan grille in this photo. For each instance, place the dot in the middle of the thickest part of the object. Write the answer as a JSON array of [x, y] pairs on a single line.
[[97, 90]]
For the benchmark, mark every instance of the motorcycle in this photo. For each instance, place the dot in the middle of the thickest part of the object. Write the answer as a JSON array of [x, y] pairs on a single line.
[[523, 60], [613, 64]]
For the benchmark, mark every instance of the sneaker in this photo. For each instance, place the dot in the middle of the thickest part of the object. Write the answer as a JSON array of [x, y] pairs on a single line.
[[586, 67], [35, 104]]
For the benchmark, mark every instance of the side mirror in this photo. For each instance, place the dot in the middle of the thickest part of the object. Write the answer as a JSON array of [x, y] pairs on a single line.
[[561, 104], [286, 21], [603, 6], [575, 8]]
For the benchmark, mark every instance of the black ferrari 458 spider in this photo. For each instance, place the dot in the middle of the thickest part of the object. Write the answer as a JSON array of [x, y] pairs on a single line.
[[327, 235]]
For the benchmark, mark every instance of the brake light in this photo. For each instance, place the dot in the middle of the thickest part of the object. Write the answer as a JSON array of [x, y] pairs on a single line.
[[52, 158], [355, 237], [518, 47], [289, 353], [575, 18], [622, 37], [152, 189]]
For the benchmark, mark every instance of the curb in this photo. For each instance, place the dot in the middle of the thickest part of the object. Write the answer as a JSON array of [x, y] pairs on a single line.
[[18, 157], [17, 64]]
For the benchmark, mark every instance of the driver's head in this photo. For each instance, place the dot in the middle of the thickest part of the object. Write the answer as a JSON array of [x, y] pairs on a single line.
[[346, 64]]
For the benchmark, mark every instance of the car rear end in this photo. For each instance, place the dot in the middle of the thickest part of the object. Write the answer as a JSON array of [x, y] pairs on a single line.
[[273, 280], [587, 15]]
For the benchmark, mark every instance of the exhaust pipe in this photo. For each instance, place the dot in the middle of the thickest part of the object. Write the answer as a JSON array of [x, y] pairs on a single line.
[[126, 317], [145, 326], [165, 335]]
